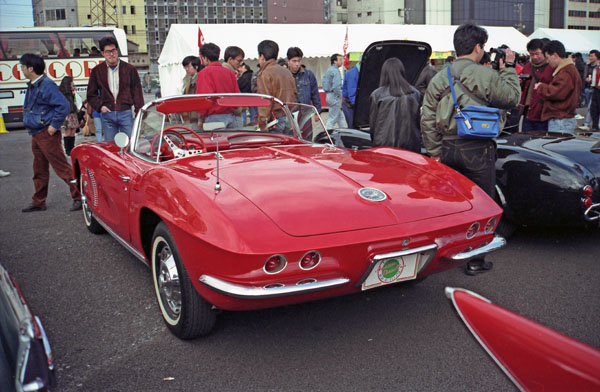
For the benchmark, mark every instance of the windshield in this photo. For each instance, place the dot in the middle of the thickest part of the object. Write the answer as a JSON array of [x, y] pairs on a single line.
[[191, 123]]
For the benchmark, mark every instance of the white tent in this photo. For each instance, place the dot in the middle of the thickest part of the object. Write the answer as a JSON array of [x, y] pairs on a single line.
[[574, 40], [317, 41]]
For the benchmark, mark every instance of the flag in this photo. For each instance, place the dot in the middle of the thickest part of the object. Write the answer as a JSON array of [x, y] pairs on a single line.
[[200, 38], [346, 59]]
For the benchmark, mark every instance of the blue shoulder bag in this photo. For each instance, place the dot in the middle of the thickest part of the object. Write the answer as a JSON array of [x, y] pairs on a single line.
[[473, 121]]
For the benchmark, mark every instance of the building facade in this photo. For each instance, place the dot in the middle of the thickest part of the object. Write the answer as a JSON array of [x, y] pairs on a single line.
[[298, 11], [55, 13], [160, 14], [582, 15]]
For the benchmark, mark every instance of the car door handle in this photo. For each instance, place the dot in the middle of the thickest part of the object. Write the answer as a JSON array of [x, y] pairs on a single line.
[[124, 178]]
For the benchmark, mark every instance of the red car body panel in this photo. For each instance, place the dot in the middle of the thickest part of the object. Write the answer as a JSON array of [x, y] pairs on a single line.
[[286, 199], [535, 357]]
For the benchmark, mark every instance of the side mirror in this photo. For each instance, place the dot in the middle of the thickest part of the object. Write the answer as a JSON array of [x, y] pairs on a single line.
[[121, 140]]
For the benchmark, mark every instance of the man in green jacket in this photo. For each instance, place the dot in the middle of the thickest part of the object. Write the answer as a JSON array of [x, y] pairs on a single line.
[[474, 158]]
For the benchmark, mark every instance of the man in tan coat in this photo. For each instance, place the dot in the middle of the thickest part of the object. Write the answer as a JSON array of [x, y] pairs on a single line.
[[561, 96], [273, 80]]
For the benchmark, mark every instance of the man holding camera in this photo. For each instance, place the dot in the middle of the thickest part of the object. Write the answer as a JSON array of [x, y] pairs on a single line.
[[474, 158], [537, 70], [561, 95]]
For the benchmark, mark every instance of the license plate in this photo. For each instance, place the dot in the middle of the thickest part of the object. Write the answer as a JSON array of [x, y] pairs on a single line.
[[392, 270]]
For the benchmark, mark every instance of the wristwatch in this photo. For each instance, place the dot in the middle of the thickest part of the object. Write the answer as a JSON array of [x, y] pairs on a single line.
[[509, 64]]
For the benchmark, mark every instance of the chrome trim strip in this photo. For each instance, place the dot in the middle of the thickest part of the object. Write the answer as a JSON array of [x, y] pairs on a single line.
[[497, 243], [449, 291], [253, 292], [431, 249], [314, 266], [122, 242], [594, 209]]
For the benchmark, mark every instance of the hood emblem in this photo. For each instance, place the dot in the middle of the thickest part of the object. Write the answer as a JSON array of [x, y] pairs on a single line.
[[372, 194]]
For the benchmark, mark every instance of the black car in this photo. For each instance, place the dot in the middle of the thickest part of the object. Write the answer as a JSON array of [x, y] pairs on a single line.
[[542, 178], [25, 356]]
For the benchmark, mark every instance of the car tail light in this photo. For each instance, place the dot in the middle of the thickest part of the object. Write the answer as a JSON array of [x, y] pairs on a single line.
[[310, 260], [587, 191], [587, 203], [489, 227], [473, 230], [275, 264]]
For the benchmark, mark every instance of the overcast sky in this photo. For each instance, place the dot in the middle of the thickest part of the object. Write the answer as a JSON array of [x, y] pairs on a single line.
[[16, 13]]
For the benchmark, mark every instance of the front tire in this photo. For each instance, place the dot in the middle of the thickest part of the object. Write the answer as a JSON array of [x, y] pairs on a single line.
[[185, 312], [90, 222]]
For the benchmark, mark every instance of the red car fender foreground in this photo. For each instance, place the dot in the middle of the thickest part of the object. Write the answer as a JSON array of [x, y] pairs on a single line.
[[238, 216], [533, 356]]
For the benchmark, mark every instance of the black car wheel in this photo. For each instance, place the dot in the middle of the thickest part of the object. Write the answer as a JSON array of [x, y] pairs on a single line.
[[90, 222], [185, 312]]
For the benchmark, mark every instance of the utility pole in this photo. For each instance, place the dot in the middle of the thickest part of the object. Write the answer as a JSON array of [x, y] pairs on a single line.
[[103, 13]]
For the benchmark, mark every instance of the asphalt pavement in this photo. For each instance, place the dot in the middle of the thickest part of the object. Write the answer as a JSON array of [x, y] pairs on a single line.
[[98, 306]]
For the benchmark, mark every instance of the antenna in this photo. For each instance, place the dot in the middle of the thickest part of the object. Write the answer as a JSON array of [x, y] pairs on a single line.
[[218, 184]]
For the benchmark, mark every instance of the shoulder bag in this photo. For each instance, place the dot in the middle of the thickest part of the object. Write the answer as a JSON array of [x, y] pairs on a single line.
[[480, 122]]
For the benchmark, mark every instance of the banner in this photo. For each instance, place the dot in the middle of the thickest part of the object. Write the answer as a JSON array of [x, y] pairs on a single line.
[[346, 59], [200, 38]]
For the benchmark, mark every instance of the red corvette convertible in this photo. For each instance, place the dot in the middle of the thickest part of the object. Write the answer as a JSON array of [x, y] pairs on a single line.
[[233, 215]]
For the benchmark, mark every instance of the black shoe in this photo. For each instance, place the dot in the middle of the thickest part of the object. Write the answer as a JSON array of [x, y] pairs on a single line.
[[76, 205], [32, 208], [475, 267]]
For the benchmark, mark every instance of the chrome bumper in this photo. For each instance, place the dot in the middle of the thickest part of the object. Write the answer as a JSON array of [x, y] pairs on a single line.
[[593, 213], [253, 292], [497, 243]]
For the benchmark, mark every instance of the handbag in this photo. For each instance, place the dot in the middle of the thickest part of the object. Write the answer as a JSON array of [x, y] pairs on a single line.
[[473, 121]]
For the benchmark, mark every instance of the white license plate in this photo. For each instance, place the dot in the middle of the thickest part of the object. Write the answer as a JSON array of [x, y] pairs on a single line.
[[392, 270]]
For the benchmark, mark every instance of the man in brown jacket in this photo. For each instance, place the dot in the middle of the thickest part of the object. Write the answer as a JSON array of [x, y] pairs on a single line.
[[273, 80], [561, 96], [114, 89]]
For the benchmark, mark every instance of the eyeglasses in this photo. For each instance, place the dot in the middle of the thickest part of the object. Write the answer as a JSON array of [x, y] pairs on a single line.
[[111, 51]]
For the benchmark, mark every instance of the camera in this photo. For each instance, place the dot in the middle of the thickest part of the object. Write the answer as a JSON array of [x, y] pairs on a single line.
[[495, 55]]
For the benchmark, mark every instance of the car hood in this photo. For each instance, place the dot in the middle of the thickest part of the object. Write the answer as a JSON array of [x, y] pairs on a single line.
[[310, 190], [414, 56], [583, 150]]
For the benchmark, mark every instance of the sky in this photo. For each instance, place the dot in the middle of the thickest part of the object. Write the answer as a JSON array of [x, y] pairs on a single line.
[[16, 13]]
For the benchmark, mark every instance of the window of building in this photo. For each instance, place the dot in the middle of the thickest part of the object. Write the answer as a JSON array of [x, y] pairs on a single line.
[[359, 15], [369, 13], [578, 14], [132, 29], [125, 29], [124, 9], [285, 4], [594, 28], [285, 18], [575, 27], [400, 12], [594, 14], [132, 9], [594, 1], [56, 14], [578, 1]]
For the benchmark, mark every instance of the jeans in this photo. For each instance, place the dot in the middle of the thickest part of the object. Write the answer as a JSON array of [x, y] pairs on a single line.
[[565, 125], [594, 109], [98, 126], [115, 122], [335, 112], [348, 114], [474, 159], [534, 125], [227, 119]]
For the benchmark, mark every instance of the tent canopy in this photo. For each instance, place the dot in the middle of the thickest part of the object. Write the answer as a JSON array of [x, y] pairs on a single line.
[[316, 41], [574, 40]]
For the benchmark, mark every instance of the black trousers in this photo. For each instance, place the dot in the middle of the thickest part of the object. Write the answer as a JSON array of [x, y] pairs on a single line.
[[595, 107], [473, 158]]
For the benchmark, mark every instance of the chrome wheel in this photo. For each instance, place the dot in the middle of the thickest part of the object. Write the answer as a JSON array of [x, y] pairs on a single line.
[[169, 288]]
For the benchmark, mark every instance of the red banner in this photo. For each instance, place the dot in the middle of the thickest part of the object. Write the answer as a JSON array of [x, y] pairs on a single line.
[[346, 58], [200, 38]]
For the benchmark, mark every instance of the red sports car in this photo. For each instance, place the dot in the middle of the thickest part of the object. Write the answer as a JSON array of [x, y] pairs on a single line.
[[245, 211]]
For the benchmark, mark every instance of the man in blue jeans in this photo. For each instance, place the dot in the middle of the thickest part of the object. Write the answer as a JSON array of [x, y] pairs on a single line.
[[114, 89]]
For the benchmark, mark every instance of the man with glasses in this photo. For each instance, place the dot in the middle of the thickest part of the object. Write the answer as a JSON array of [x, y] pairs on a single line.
[[474, 158], [535, 71], [114, 89]]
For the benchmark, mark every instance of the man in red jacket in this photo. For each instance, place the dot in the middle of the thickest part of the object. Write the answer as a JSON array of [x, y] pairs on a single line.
[[215, 78], [536, 70], [114, 88], [561, 96]]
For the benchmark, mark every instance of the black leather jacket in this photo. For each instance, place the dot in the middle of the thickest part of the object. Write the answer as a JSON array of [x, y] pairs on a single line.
[[394, 121]]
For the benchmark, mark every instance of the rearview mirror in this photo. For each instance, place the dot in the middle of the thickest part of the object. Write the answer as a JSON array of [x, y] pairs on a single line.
[[121, 140]]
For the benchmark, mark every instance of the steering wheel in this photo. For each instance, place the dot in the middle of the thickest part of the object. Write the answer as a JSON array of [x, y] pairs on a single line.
[[175, 147]]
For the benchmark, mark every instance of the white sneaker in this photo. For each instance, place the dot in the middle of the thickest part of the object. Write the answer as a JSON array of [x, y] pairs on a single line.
[[4, 173], [584, 127], [579, 117]]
